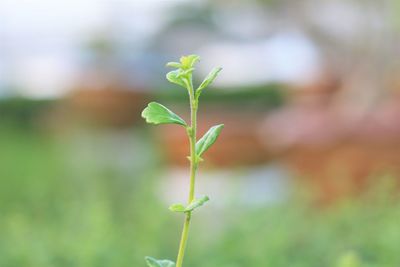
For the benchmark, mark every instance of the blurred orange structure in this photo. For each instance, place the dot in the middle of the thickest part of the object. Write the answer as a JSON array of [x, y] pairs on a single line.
[[334, 148], [110, 107]]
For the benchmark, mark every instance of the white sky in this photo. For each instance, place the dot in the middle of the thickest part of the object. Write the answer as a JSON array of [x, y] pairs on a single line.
[[38, 37]]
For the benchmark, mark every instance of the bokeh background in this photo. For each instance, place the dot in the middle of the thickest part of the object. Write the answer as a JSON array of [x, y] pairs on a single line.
[[305, 173]]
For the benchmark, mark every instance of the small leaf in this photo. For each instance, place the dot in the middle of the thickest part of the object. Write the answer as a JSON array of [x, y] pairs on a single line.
[[197, 203], [158, 114], [177, 207], [188, 62], [208, 139], [151, 262], [175, 76], [174, 65], [208, 80]]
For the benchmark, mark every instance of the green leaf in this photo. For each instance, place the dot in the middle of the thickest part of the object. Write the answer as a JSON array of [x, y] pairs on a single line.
[[176, 77], [188, 62], [208, 80], [174, 65], [183, 75], [197, 203], [158, 114], [177, 207], [208, 139], [193, 205], [152, 262]]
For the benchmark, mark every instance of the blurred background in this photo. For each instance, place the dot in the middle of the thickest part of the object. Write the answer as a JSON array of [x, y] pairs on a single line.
[[305, 173]]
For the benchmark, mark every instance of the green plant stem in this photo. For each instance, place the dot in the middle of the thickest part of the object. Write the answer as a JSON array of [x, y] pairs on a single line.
[[184, 238], [193, 169]]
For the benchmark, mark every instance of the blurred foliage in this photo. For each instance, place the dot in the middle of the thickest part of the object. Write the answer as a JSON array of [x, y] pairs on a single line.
[[53, 215], [22, 112], [255, 98]]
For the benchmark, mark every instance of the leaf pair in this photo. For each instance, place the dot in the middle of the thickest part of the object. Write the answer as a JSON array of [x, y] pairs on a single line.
[[152, 262], [192, 206], [158, 114], [182, 76], [186, 62]]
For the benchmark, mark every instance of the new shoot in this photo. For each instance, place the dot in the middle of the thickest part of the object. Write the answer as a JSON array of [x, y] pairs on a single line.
[[156, 113]]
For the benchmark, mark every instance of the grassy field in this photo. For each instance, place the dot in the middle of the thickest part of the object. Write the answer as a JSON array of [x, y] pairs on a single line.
[[62, 204]]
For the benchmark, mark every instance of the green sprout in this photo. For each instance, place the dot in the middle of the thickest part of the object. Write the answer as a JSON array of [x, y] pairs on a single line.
[[156, 113]]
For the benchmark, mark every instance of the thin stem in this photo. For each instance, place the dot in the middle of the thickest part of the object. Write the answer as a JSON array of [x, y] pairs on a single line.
[[184, 238], [193, 168]]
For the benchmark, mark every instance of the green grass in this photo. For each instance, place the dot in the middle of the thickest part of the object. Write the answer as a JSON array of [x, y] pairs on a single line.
[[60, 209]]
